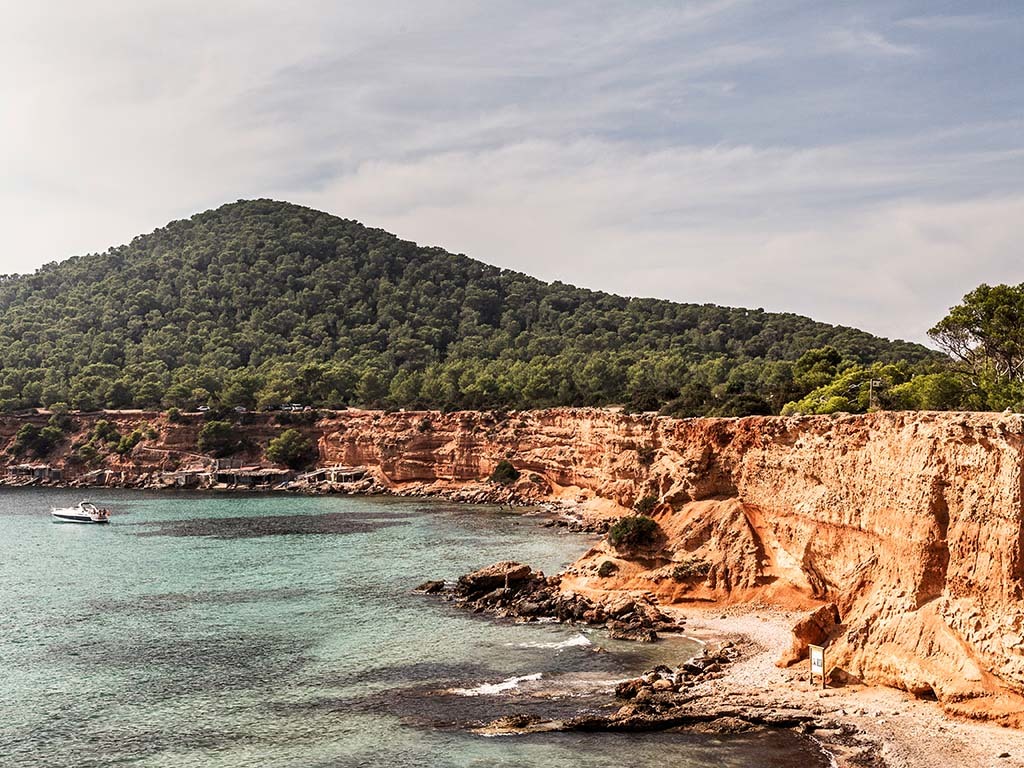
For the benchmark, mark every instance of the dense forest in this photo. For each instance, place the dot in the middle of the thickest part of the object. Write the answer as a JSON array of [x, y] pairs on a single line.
[[259, 303]]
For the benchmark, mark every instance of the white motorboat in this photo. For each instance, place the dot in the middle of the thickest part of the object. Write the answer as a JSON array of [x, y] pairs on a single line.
[[85, 512]]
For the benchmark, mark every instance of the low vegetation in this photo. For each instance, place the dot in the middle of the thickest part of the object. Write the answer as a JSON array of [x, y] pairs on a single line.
[[33, 440], [691, 568], [292, 449], [645, 504], [127, 443], [218, 438], [504, 473], [633, 531]]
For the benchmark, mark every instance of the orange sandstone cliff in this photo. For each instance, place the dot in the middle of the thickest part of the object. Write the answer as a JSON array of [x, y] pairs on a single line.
[[910, 523]]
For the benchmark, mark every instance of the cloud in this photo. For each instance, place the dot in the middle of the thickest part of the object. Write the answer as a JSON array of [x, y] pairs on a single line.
[[949, 22], [866, 42], [733, 225], [801, 157]]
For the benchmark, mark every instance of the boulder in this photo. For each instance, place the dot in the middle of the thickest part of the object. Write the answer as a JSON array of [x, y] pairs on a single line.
[[813, 629], [504, 574], [618, 630], [430, 587], [628, 689]]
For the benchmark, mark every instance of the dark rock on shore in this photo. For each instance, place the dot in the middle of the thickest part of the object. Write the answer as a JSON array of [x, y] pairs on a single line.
[[503, 575], [430, 587], [658, 686], [664, 698], [514, 590]]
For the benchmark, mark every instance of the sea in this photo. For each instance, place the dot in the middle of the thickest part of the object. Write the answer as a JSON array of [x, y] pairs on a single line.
[[283, 631]]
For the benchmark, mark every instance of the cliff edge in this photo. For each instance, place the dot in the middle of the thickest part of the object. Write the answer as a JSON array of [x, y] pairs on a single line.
[[910, 523]]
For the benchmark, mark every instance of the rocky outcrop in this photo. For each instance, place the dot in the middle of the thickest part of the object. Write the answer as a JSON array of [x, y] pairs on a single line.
[[911, 523], [813, 629], [513, 590]]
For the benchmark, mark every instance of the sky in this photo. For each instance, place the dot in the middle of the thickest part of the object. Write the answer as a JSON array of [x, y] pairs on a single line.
[[861, 163]]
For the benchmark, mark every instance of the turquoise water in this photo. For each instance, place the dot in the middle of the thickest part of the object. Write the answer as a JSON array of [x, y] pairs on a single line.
[[201, 630]]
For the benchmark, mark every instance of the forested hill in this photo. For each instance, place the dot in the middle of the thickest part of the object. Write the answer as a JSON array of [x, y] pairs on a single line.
[[262, 302]]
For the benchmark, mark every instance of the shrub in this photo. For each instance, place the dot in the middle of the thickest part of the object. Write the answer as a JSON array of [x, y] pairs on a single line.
[[633, 530], [219, 413], [744, 405], [174, 416], [86, 454], [646, 504], [218, 438], [32, 439], [425, 425], [291, 449], [690, 568], [105, 432], [297, 417], [128, 442], [63, 421], [504, 473], [607, 568]]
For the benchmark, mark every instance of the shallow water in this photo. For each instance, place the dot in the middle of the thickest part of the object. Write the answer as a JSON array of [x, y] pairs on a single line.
[[203, 630]]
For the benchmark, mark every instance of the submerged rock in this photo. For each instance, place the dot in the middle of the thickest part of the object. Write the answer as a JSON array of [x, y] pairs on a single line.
[[430, 587]]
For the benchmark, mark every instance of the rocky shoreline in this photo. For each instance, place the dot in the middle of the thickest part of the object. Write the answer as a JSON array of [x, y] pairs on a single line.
[[686, 697], [735, 685], [564, 513], [663, 698], [515, 591]]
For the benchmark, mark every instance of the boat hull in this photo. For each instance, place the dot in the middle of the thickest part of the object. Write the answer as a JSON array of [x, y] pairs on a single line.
[[63, 518]]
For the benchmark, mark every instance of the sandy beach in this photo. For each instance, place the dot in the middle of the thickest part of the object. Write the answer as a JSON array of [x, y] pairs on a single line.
[[886, 727]]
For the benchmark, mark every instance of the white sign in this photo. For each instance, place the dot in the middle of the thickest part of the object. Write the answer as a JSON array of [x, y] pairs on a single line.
[[817, 662]]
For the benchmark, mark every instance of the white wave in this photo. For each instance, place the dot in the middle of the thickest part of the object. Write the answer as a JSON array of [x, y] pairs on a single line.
[[578, 641], [491, 689]]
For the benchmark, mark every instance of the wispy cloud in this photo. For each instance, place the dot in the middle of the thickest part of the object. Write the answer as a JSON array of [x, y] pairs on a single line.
[[949, 22], [859, 164], [847, 234], [866, 42]]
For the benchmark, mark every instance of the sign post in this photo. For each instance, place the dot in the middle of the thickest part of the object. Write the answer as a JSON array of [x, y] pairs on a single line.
[[817, 653]]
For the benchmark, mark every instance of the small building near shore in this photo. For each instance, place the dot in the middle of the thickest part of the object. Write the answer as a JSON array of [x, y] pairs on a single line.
[[335, 474], [41, 472], [189, 477], [252, 477]]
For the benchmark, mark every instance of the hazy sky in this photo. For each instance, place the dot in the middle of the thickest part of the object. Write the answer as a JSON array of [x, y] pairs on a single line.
[[862, 163]]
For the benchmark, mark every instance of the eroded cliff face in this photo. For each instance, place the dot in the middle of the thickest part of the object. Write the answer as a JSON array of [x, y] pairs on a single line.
[[911, 523]]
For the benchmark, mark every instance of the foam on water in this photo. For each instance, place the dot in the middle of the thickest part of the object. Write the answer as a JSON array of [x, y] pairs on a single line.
[[291, 625], [577, 641], [492, 689]]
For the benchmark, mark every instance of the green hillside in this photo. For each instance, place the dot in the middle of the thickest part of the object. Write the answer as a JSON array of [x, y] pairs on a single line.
[[262, 302]]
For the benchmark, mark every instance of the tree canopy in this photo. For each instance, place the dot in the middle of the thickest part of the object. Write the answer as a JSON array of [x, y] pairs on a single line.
[[986, 331], [259, 303], [292, 449]]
